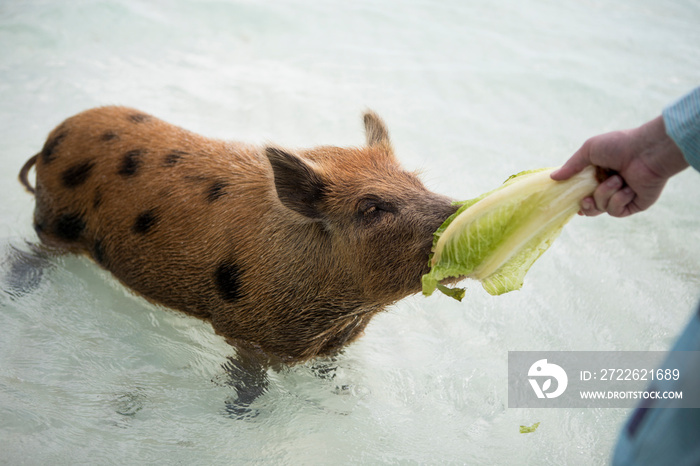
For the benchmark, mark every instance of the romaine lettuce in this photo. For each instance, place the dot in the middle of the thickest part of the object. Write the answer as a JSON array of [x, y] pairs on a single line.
[[529, 429], [496, 237]]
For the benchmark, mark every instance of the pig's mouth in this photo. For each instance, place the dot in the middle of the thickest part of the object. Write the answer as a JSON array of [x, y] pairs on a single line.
[[417, 281], [424, 260], [427, 251]]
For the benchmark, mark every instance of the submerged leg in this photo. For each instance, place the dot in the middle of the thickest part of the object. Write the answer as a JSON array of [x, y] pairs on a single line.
[[248, 376], [23, 269]]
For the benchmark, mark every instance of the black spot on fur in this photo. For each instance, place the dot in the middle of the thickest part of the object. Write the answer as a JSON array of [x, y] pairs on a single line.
[[98, 252], [145, 221], [227, 281], [216, 190], [138, 117], [109, 136], [69, 227], [48, 152], [77, 174], [173, 157], [131, 161]]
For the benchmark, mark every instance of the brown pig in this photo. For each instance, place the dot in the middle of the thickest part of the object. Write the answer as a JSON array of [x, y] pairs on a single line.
[[291, 252]]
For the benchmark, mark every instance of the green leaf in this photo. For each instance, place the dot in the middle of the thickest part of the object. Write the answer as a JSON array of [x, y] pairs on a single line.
[[456, 293], [529, 430], [496, 237]]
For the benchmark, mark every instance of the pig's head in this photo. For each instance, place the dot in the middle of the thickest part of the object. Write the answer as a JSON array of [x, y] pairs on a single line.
[[378, 219]]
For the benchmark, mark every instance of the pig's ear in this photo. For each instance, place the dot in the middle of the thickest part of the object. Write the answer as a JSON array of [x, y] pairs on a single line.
[[375, 130], [298, 185]]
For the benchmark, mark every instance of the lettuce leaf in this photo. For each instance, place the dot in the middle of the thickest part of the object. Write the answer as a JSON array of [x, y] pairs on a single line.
[[496, 237], [529, 429]]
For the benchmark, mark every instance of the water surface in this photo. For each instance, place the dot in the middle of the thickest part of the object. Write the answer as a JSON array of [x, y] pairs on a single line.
[[472, 92]]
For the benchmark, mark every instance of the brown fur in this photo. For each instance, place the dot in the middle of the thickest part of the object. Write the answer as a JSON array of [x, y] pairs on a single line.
[[291, 252]]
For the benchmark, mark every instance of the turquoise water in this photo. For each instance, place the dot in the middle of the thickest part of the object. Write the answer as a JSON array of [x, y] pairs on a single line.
[[472, 92]]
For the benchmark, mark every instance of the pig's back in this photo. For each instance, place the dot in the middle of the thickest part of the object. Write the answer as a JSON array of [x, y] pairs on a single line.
[[156, 205]]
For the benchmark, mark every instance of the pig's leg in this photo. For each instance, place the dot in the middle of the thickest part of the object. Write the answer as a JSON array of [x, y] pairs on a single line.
[[21, 269], [249, 378]]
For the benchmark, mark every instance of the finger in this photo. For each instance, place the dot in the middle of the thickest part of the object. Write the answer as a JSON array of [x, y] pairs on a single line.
[[605, 191], [621, 203], [577, 162], [588, 208]]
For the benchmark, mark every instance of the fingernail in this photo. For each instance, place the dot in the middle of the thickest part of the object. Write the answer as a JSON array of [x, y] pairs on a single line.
[[586, 204], [613, 182]]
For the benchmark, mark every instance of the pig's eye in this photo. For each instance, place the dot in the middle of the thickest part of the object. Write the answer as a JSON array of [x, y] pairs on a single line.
[[372, 208], [368, 207]]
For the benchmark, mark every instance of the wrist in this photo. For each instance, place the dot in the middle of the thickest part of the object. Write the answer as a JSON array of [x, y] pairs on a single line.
[[658, 150]]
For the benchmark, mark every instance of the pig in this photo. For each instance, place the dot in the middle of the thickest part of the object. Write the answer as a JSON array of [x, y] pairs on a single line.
[[289, 252]]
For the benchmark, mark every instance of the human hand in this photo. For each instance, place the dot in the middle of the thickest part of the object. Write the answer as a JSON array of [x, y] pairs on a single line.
[[642, 160]]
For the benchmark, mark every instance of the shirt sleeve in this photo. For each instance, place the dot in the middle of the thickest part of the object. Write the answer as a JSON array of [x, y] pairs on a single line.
[[682, 120]]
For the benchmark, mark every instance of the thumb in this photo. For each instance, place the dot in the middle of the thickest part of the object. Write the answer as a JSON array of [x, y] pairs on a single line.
[[577, 162]]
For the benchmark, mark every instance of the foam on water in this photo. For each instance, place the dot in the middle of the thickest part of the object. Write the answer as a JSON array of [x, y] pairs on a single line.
[[472, 92]]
